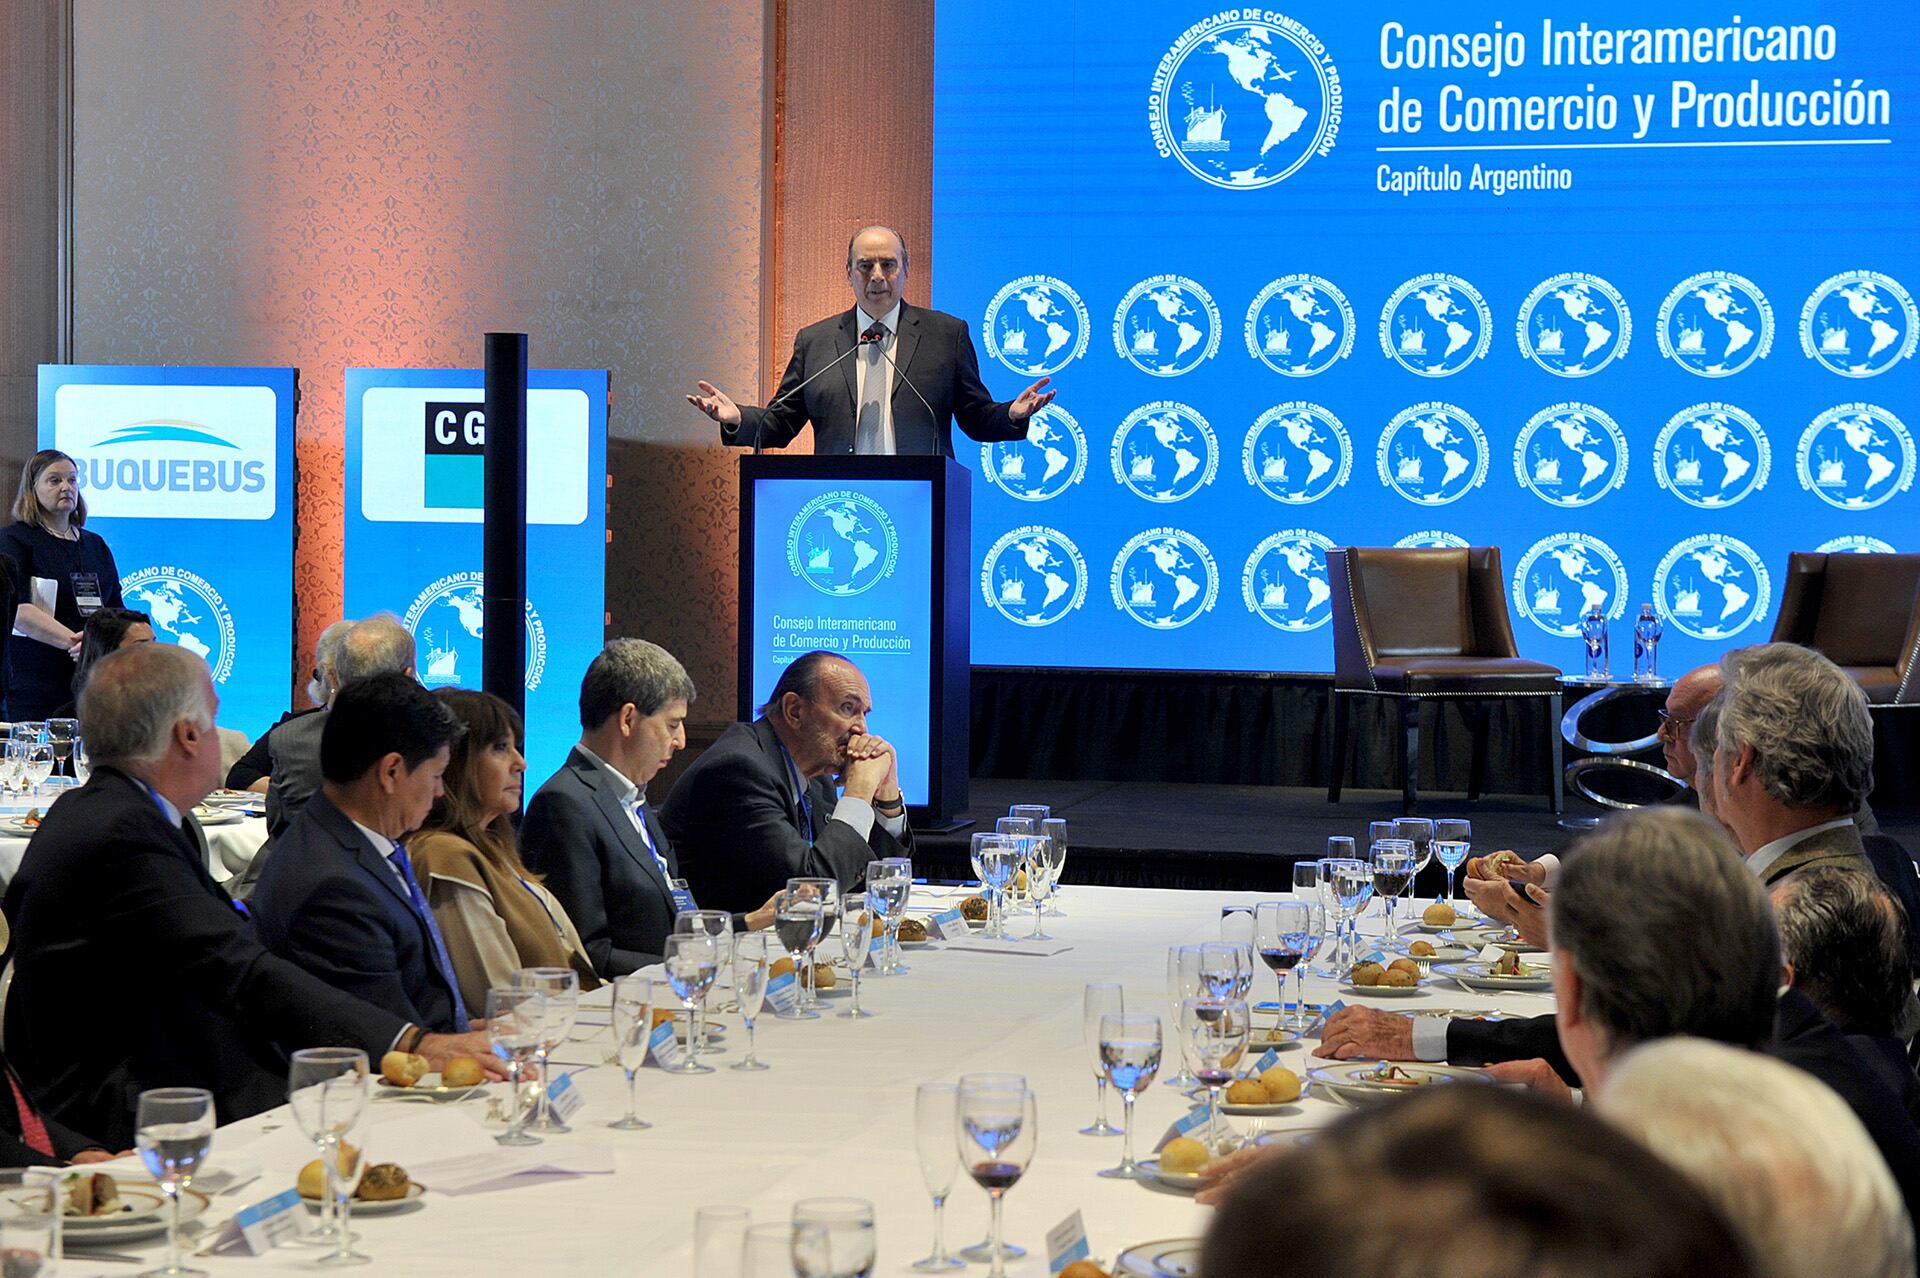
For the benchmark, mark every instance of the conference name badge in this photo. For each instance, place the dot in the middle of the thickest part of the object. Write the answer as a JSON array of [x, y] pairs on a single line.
[[263, 1226], [949, 925], [783, 994]]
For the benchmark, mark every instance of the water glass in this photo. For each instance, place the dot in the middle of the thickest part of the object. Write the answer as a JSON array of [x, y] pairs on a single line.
[[1452, 841], [1283, 932], [328, 1092], [633, 996], [1055, 828], [796, 924], [1220, 968], [1393, 862], [856, 940], [1352, 889], [30, 1224], [997, 1129], [851, 1240], [1130, 1052], [1183, 982], [889, 884], [827, 893], [785, 1250], [1236, 924], [1038, 864], [82, 761], [1034, 812], [750, 988], [1213, 1038], [933, 1111], [719, 925], [692, 962], [1101, 999], [173, 1130], [561, 986], [516, 1026], [719, 1239], [1014, 828], [998, 862]]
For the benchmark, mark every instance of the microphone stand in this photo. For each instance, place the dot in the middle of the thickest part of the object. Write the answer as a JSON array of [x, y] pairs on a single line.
[[867, 338]]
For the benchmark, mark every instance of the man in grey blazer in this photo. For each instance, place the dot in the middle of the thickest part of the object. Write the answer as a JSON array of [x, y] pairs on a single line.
[[881, 378]]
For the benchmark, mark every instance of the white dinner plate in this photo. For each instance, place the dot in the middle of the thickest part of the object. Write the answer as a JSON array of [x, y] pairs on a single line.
[[1443, 952], [98, 1231], [235, 799], [1352, 1081], [1479, 976], [137, 1202], [17, 827], [1167, 1258], [1270, 1110], [1189, 1182], [1384, 991], [206, 815], [380, 1207], [1273, 1037], [429, 1087]]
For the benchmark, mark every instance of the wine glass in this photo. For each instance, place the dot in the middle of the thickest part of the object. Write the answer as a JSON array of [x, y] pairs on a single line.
[[1213, 1038], [997, 863], [720, 1239], [1183, 981], [327, 1090], [1330, 901], [1282, 930], [985, 1250], [1034, 812], [978, 845], [82, 761], [1055, 828], [1392, 873], [933, 1111], [1039, 866], [1130, 1053], [856, 938], [827, 893], [1236, 923], [692, 962], [785, 1250], [1418, 831], [889, 882], [1352, 889], [997, 1130], [36, 765], [1100, 999], [796, 922], [173, 1129], [561, 986], [750, 988], [1013, 828], [848, 1223], [1378, 830], [719, 925], [60, 735], [632, 1028], [1452, 840], [30, 1224], [516, 1026], [1219, 969]]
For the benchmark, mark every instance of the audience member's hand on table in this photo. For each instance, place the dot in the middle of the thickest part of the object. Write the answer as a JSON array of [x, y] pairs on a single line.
[[1364, 1033], [1535, 1075], [441, 1048], [1221, 1174]]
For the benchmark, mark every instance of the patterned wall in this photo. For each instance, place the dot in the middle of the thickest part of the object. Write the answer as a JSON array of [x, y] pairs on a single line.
[[325, 184]]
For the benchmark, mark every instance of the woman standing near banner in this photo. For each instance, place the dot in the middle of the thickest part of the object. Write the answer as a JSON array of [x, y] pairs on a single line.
[[64, 573]]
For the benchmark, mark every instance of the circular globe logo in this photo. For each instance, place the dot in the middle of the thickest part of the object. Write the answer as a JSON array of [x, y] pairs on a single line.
[[186, 610], [1166, 326], [1565, 576], [1711, 586], [1300, 325], [1715, 323], [1048, 461], [1859, 324], [842, 543], [1284, 582], [1436, 325], [1036, 326], [1432, 539], [1855, 545], [1164, 578], [1712, 456], [1034, 576], [1242, 103], [1165, 452], [1574, 324], [1570, 455], [1856, 456], [446, 621], [1297, 453], [1433, 454]]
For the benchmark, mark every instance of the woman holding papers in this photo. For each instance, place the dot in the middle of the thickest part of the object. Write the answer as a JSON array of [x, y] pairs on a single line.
[[63, 574]]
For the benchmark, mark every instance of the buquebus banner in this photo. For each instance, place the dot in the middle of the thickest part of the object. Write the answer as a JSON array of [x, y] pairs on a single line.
[[1625, 289], [188, 475], [416, 440]]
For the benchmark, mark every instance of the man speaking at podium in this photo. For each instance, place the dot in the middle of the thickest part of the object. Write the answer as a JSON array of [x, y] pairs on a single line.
[[882, 378]]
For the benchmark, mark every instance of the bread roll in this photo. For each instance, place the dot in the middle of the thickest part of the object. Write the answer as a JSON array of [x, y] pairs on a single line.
[[1246, 1091], [383, 1182], [1184, 1155], [404, 1069], [1282, 1084], [461, 1071]]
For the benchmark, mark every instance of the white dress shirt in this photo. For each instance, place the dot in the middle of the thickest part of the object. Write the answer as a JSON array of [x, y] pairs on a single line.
[[871, 363]]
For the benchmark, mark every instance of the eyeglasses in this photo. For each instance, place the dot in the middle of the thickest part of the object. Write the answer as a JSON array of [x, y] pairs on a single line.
[[1672, 720]]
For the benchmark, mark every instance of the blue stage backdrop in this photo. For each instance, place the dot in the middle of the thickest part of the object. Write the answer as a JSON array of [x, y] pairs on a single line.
[[415, 439], [188, 474], [1624, 289]]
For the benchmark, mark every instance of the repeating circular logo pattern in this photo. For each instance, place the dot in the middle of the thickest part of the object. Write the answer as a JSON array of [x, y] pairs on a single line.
[[1433, 454], [1570, 455], [1712, 586], [447, 622], [1859, 324], [1284, 582], [1036, 326], [1165, 452], [1034, 576], [1715, 323], [1165, 578], [842, 543], [1574, 324], [1166, 325], [1435, 325], [186, 610], [1432, 539], [1856, 456], [1297, 453], [1050, 459], [1855, 546], [1300, 325], [1712, 456], [1564, 576]]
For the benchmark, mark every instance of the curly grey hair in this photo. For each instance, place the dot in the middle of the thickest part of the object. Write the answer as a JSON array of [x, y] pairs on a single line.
[[1805, 720]]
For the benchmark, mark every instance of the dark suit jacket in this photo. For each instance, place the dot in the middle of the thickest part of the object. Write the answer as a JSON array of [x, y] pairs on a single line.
[[931, 349], [330, 903], [735, 825], [132, 970], [577, 835], [14, 1150], [1895, 868]]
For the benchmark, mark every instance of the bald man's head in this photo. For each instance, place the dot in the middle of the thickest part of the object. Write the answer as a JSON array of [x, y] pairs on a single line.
[[1685, 700]]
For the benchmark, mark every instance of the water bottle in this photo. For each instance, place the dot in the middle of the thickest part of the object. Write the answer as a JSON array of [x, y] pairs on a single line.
[[1646, 645], [1593, 629]]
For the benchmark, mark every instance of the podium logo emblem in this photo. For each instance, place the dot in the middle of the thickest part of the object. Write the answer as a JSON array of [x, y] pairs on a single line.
[[1432, 539], [1433, 454], [1165, 452], [1166, 325], [1165, 578], [1855, 545], [1712, 586], [1856, 456], [1034, 576], [186, 610], [1570, 455], [1715, 323], [1284, 582], [842, 543], [1036, 326], [1565, 576], [1712, 456], [1436, 325], [1859, 324], [1051, 459], [1574, 324], [1243, 99], [1297, 453], [447, 621], [1300, 325]]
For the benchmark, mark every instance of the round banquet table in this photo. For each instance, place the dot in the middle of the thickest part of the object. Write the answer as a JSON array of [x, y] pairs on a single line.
[[834, 1115], [230, 846]]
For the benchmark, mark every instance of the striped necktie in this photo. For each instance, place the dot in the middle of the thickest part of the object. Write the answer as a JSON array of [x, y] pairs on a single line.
[[400, 862]]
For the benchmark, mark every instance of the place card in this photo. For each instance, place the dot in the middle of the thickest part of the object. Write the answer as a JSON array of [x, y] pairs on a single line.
[[783, 994], [263, 1226], [1268, 1059], [1184, 1125], [1492, 954], [876, 950], [949, 925], [663, 1049], [1066, 1243], [1375, 956], [564, 1097]]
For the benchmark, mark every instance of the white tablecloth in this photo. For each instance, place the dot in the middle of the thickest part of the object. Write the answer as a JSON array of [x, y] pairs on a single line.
[[835, 1116], [229, 848]]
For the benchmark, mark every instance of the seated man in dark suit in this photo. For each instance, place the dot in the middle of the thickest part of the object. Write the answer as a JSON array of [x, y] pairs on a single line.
[[254, 769], [759, 806], [339, 898], [590, 829], [132, 968]]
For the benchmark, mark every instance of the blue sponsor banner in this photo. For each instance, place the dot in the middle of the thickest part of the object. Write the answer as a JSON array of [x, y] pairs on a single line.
[[1625, 289], [844, 566], [188, 475], [415, 445]]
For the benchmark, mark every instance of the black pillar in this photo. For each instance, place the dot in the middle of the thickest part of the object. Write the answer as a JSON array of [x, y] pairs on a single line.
[[503, 650]]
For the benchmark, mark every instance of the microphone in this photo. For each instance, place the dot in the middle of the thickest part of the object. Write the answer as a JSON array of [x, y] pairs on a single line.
[[874, 333]]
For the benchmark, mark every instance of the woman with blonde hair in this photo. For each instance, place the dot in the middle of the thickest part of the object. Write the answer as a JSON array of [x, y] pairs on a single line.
[[494, 913], [62, 573]]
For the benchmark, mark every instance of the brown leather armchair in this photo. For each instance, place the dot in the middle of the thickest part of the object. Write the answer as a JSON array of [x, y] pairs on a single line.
[[1422, 623], [1863, 612]]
